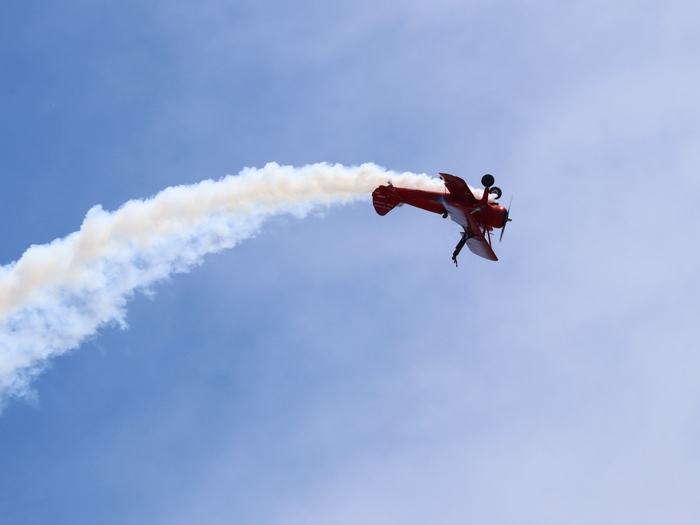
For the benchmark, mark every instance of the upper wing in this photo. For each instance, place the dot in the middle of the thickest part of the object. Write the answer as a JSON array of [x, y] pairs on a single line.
[[477, 243], [481, 247], [457, 187]]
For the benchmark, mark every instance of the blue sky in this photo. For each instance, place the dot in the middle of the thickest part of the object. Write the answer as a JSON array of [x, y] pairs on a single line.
[[339, 369]]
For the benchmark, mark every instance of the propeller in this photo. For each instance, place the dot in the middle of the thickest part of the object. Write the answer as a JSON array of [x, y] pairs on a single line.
[[506, 219]]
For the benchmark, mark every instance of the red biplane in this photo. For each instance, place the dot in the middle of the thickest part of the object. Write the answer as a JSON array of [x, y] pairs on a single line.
[[477, 217]]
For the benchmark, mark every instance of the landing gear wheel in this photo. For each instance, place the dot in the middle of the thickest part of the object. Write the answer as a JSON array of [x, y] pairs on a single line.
[[496, 191], [487, 180]]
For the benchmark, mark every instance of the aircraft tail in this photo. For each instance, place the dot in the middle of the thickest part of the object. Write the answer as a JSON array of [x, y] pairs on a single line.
[[385, 199]]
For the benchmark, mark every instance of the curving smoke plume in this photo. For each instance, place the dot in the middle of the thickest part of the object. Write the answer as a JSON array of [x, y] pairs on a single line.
[[58, 294]]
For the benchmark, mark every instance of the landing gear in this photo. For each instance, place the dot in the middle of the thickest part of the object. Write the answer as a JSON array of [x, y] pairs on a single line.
[[487, 180], [465, 237], [496, 191]]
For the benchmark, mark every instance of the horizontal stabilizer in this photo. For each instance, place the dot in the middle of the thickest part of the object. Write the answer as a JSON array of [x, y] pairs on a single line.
[[385, 199]]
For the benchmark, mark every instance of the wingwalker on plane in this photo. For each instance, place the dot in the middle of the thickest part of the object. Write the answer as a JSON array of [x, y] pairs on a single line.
[[478, 217]]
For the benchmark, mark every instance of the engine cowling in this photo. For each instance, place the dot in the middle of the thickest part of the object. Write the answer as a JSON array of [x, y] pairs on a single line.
[[493, 216]]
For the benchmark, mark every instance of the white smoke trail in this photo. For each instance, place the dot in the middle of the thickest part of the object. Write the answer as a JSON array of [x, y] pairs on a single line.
[[58, 294]]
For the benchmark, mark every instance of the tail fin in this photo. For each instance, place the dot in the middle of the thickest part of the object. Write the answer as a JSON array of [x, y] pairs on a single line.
[[385, 199]]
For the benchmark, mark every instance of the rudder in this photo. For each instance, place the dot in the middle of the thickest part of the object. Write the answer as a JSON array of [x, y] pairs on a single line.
[[385, 199]]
